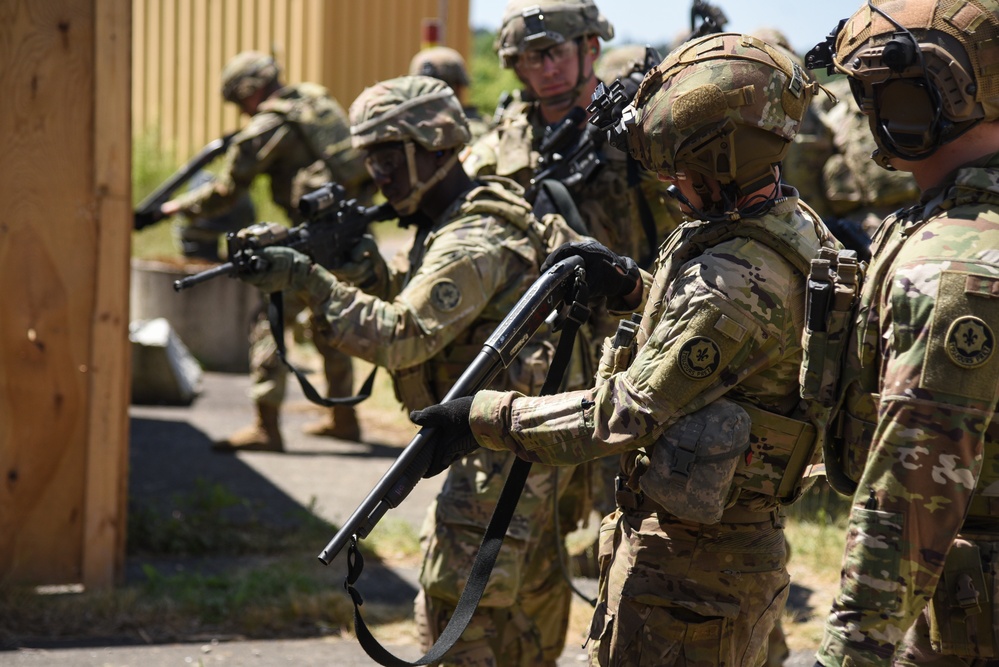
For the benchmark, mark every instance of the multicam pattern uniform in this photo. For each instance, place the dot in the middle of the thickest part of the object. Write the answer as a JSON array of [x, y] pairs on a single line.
[[610, 210], [609, 206], [925, 341], [300, 137], [468, 271], [675, 592]]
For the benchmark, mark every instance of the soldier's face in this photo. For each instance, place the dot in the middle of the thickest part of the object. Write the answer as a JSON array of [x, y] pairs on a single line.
[[550, 72], [390, 169]]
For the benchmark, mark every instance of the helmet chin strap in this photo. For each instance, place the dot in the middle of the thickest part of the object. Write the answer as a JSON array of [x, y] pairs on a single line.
[[417, 189]]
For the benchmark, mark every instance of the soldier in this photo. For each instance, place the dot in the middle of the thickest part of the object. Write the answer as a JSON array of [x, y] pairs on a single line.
[[919, 388], [298, 136], [707, 414], [446, 64], [552, 47], [477, 248]]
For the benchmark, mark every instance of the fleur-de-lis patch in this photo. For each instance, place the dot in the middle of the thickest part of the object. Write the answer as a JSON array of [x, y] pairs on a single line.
[[970, 342], [699, 357]]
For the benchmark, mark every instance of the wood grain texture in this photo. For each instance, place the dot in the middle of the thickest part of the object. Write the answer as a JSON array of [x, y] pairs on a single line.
[[52, 189]]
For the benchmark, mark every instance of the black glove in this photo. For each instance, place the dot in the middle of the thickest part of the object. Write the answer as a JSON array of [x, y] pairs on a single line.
[[453, 436], [607, 273], [146, 218]]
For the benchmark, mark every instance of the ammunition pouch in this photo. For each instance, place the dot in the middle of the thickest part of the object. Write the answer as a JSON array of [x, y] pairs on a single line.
[[412, 387], [961, 612], [692, 465], [781, 452], [833, 289]]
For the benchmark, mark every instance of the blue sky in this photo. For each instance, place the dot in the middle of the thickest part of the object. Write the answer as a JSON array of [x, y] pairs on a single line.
[[805, 22]]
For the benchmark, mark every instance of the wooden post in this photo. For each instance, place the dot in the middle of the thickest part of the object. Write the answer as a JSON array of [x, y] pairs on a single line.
[[65, 185]]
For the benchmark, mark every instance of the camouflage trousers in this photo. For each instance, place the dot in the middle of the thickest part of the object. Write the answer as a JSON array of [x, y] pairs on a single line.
[[953, 637], [674, 593], [524, 612], [269, 375]]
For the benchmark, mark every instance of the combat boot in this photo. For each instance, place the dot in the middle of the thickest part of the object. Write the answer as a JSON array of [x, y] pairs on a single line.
[[340, 422], [263, 436]]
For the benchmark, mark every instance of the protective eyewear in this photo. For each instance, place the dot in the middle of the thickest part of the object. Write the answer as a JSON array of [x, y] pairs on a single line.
[[534, 59]]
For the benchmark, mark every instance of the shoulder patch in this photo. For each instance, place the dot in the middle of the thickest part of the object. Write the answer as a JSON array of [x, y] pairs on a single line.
[[699, 357], [445, 295], [969, 342]]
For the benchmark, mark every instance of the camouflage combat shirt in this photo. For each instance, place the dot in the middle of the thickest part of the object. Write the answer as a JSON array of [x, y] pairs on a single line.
[[300, 137], [609, 205], [728, 324], [465, 273], [925, 341]]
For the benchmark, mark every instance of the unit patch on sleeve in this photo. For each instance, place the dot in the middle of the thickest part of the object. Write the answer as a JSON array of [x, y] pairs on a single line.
[[970, 342], [699, 357], [445, 295]]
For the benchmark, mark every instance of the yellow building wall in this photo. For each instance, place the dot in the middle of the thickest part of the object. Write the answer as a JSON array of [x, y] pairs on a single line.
[[180, 47]]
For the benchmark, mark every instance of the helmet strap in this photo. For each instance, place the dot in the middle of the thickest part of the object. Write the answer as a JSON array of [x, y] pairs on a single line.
[[418, 188]]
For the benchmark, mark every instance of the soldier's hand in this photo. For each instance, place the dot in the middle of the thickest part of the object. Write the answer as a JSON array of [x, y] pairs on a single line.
[[453, 437], [276, 269], [607, 273], [143, 219], [365, 268]]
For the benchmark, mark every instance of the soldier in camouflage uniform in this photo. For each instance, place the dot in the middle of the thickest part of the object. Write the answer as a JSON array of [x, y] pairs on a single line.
[[705, 409], [477, 249], [919, 382], [446, 64], [552, 47], [625, 207], [298, 136]]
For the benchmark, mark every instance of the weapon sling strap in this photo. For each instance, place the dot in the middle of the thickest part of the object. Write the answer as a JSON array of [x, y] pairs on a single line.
[[492, 540], [275, 315]]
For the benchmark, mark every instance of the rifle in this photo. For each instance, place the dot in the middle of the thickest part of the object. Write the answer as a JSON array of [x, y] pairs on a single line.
[[568, 153], [554, 288], [712, 19], [148, 211], [333, 226]]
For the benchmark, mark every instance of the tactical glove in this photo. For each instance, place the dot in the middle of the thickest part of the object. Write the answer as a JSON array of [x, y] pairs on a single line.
[[276, 269], [607, 273], [146, 218], [453, 437], [365, 268]]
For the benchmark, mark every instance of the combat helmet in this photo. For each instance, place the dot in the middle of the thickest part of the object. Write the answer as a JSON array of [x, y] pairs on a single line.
[[413, 110], [921, 70], [246, 73], [440, 62], [541, 24], [725, 106]]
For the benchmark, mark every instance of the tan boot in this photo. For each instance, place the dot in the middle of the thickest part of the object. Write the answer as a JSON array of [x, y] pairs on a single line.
[[263, 436], [340, 422]]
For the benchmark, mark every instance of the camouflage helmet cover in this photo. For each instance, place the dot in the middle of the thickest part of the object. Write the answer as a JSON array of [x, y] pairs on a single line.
[[541, 24], [726, 105], [246, 73], [409, 108], [440, 62], [955, 51], [619, 62]]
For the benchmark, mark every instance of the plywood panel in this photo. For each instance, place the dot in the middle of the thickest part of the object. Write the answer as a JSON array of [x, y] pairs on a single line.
[[108, 370], [47, 241]]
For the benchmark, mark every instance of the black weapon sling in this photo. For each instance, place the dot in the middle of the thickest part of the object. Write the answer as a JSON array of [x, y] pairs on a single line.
[[492, 540], [275, 316]]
